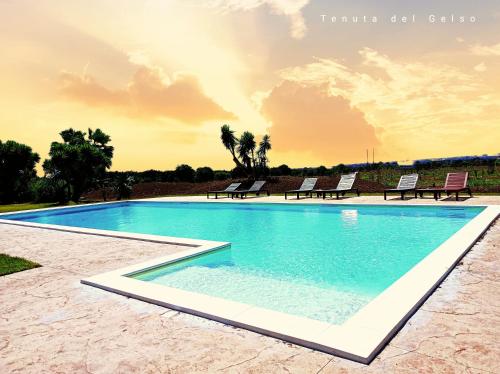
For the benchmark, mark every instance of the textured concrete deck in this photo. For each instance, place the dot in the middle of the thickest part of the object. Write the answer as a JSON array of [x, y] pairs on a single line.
[[49, 322]]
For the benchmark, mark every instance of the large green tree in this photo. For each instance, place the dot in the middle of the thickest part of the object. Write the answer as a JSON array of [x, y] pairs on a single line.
[[17, 169], [80, 161]]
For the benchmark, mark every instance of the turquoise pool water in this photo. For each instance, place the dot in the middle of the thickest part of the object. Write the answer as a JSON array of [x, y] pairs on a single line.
[[323, 262]]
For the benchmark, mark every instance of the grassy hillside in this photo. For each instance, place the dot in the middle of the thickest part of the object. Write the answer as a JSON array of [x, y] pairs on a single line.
[[480, 179]]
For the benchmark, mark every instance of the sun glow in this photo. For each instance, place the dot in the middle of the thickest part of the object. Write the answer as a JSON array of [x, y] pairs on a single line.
[[162, 77]]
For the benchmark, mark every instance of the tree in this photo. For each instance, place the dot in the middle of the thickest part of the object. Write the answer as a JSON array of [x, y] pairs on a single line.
[[243, 152], [221, 175], [321, 170], [17, 169], [184, 173], [79, 161], [230, 142], [246, 151], [340, 169], [100, 140], [123, 185], [46, 190], [264, 147], [204, 174], [281, 170]]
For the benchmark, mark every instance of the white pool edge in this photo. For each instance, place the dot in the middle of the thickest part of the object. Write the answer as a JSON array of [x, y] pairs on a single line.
[[359, 339]]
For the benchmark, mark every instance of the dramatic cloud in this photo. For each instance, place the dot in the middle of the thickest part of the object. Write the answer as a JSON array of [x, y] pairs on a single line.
[[307, 119], [417, 104], [289, 8], [390, 85], [486, 50], [149, 95]]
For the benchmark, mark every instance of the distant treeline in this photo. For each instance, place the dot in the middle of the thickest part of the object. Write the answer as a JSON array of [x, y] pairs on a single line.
[[78, 162], [185, 173]]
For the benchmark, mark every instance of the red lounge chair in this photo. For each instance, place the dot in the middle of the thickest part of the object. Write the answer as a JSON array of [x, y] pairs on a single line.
[[455, 183]]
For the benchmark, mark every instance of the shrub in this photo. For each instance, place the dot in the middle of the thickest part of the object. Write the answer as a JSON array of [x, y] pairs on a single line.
[[281, 170], [123, 186], [340, 169], [321, 171], [262, 171], [238, 172], [204, 174], [184, 173], [45, 190], [221, 175]]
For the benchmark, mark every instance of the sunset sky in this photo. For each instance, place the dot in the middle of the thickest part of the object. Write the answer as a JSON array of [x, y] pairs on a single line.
[[161, 77]]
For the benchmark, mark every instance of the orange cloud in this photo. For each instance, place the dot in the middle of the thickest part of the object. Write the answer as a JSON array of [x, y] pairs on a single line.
[[307, 119], [148, 95], [425, 107]]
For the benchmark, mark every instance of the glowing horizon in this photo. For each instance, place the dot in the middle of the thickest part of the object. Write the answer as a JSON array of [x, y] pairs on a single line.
[[162, 77]]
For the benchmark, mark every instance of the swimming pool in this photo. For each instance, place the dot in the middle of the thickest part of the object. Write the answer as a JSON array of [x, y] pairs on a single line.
[[319, 263]]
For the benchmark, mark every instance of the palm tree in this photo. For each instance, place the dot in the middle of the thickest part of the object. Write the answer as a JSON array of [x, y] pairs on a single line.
[[246, 150], [264, 146], [230, 142]]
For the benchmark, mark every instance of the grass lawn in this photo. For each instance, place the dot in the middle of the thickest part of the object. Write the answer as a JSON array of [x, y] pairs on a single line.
[[15, 207], [9, 264]]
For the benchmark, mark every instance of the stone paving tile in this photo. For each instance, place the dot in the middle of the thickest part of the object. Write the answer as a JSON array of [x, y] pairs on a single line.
[[49, 322]]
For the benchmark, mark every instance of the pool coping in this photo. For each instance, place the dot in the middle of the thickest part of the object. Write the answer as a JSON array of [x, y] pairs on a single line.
[[359, 339]]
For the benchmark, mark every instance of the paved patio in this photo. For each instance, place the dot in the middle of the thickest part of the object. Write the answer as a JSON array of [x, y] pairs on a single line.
[[49, 322]]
